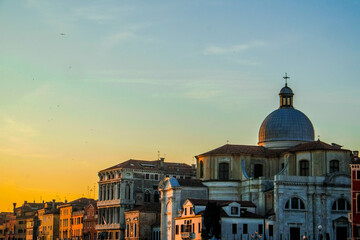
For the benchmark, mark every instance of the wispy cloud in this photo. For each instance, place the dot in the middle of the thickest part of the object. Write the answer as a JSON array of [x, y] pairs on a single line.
[[17, 128], [218, 50]]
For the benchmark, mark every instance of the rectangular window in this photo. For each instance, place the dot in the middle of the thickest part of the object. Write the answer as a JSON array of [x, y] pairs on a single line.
[[199, 228], [334, 166], [156, 177], [271, 230], [147, 176], [234, 210], [185, 212], [234, 228], [177, 230], [191, 210], [358, 174], [260, 229], [223, 171], [245, 228], [304, 168]]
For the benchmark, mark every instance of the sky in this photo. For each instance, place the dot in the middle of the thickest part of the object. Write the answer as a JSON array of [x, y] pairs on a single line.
[[88, 84]]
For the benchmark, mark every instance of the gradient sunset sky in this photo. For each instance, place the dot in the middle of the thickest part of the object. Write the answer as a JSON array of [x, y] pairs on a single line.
[[88, 84]]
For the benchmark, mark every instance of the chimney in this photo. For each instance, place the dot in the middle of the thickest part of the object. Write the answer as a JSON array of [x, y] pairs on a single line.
[[65, 201], [162, 165], [14, 206], [53, 204], [25, 202], [192, 166]]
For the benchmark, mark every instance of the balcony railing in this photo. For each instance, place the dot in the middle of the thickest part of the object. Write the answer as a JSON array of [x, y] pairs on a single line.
[[108, 226], [108, 202], [187, 235]]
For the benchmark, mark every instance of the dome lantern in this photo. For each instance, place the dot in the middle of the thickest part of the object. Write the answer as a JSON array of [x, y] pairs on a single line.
[[286, 95]]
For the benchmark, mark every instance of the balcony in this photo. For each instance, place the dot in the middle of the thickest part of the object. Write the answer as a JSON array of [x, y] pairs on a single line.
[[108, 202], [187, 235], [107, 226]]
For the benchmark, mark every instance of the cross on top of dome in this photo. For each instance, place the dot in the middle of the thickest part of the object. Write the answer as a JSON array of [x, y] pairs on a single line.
[[286, 78]]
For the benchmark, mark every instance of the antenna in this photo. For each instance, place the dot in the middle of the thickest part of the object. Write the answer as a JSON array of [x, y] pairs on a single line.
[[158, 155]]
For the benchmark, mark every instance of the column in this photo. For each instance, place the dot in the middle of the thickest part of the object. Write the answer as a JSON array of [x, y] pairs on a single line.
[[122, 192], [116, 215], [107, 191], [102, 192], [117, 190], [99, 216], [99, 193], [132, 191], [106, 215], [119, 185]]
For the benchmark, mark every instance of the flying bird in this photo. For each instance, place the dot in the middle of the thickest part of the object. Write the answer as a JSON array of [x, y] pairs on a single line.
[[62, 34]]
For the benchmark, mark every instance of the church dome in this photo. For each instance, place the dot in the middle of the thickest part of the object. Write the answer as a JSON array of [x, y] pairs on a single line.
[[286, 126]]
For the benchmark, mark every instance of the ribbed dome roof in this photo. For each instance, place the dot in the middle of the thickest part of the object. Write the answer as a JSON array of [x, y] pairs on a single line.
[[286, 90], [286, 124]]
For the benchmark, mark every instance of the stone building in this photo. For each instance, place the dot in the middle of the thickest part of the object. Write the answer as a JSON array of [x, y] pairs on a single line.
[[16, 224], [3, 216], [238, 219], [354, 216], [90, 221], [129, 184], [140, 221], [174, 192], [48, 219], [301, 185], [71, 218]]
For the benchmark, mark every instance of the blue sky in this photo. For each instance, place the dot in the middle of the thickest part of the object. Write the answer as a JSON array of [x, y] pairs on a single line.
[[88, 84]]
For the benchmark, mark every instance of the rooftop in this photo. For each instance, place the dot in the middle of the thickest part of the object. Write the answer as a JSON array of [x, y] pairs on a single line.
[[157, 165], [244, 149]]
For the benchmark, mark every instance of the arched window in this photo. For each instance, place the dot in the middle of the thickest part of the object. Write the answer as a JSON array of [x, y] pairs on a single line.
[[147, 196], [334, 166], [295, 203], [127, 192], [358, 203], [223, 171], [156, 196], [201, 169], [258, 170], [304, 168], [341, 205]]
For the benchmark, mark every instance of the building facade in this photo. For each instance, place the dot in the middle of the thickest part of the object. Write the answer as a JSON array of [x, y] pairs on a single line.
[[128, 184], [90, 221], [301, 185], [71, 218], [140, 221], [354, 216], [237, 220], [174, 192]]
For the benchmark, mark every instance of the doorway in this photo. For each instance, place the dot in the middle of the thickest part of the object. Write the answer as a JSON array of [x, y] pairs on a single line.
[[294, 233], [341, 233]]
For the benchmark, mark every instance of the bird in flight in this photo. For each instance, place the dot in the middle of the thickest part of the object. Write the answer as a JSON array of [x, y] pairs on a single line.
[[62, 34]]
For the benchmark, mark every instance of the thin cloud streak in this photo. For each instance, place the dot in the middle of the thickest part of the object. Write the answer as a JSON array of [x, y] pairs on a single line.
[[218, 50]]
